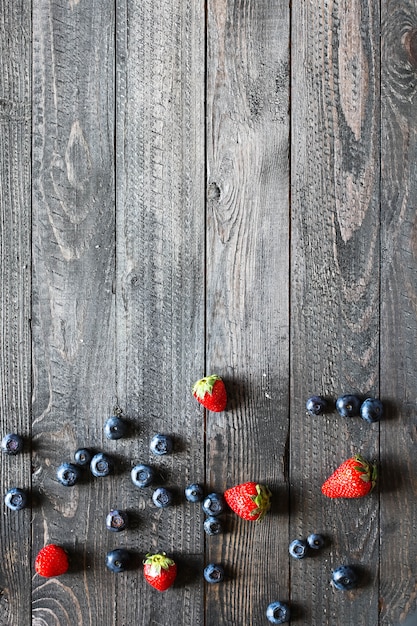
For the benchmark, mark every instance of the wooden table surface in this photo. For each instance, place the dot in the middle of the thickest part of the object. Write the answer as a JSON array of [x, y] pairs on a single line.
[[190, 188]]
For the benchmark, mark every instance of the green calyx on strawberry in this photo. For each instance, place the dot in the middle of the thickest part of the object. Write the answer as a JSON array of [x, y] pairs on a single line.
[[210, 391], [354, 478], [159, 571], [250, 500]]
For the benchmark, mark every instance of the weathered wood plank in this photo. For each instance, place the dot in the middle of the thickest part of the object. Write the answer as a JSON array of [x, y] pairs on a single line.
[[15, 286], [160, 282], [398, 568], [335, 293], [247, 323], [73, 304]]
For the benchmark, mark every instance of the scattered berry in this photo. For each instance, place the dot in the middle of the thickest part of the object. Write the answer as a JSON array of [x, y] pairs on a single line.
[[371, 410], [214, 504], [15, 499], [83, 457], [116, 427], [161, 444], [118, 560], [116, 520], [211, 393], [68, 474], [214, 573], [348, 405], [212, 526], [298, 548], [101, 465], [162, 497], [194, 493], [52, 560], [12, 443], [278, 613], [316, 405], [249, 500], [315, 541], [142, 475], [159, 571], [354, 478], [344, 578]]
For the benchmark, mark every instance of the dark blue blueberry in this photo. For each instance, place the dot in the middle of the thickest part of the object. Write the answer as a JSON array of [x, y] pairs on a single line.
[[316, 405], [68, 474], [83, 457], [162, 497], [315, 541], [116, 427], [116, 520], [278, 613], [212, 526], [214, 573], [214, 504], [298, 548], [161, 444], [371, 410], [101, 465], [12, 443], [194, 493], [118, 560], [15, 499], [348, 405], [344, 578], [142, 475]]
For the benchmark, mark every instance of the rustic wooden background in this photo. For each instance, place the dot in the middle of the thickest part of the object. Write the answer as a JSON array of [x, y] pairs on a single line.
[[189, 188]]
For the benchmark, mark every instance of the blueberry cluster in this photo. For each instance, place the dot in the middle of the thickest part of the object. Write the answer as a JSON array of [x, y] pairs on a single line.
[[371, 410], [299, 548], [15, 498]]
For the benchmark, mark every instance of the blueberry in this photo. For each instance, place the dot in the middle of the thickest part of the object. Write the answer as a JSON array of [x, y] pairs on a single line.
[[316, 405], [12, 443], [194, 493], [162, 497], [116, 427], [214, 573], [118, 560], [371, 410], [315, 541], [116, 520], [68, 474], [161, 444], [212, 526], [348, 405], [15, 499], [278, 613], [214, 504], [344, 578], [101, 465], [142, 475], [298, 548], [83, 457]]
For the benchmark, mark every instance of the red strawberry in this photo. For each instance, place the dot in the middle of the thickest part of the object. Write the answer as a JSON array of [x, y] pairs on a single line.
[[355, 478], [249, 500], [159, 571], [211, 393], [52, 560]]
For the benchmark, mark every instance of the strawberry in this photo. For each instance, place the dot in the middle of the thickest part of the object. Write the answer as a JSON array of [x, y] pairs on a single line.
[[211, 393], [159, 571], [354, 478], [249, 500], [52, 560]]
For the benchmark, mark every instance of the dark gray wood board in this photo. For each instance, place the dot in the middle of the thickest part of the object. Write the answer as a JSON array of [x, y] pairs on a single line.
[[15, 306]]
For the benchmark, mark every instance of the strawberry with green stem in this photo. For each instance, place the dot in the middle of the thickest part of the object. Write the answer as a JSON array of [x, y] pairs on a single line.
[[210, 391], [354, 478], [249, 500], [159, 571]]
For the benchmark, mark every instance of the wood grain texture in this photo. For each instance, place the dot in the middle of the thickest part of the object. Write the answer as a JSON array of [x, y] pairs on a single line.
[[73, 302], [335, 293], [399, 315], [15, 307], [160, 281], [248, 292]]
